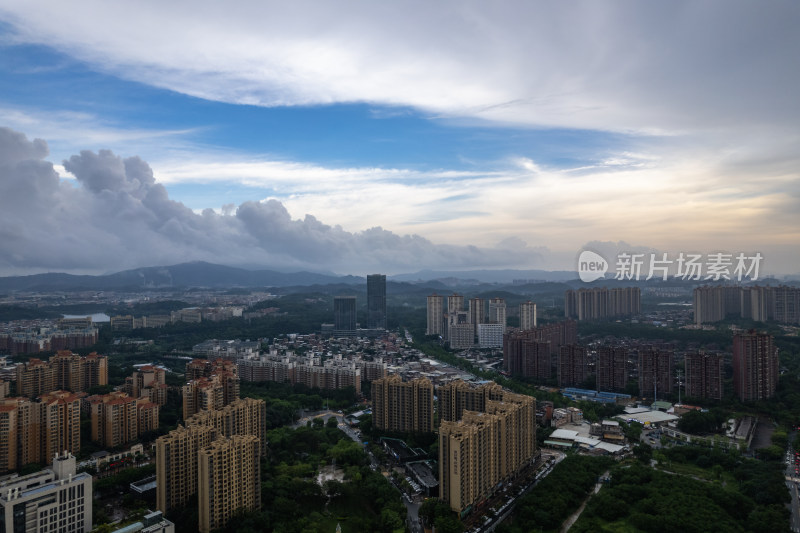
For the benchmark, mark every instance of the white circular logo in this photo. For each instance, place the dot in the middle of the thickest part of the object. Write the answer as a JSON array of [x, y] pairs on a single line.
[[591, 266]]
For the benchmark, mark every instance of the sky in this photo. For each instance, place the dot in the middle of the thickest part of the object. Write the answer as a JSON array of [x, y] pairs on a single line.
[[357, 137]]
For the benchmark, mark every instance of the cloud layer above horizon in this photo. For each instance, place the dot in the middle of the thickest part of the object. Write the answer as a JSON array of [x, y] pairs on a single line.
[[363, 136], [119, 217], [616, 66]]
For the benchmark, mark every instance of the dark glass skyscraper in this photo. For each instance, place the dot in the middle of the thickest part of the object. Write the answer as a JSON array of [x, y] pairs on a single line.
[[344, 315], [376, 301]]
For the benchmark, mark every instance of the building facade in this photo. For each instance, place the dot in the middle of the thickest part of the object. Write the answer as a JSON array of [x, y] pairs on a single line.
[[64, 371], [435, 310], [484, 448], [600, 303], [54, 499], [497, 311], [755, 366], [527, 316], [572, 365], [704, 374], [376, 301], [402, 406], [177, 464], [246, 416], [612, 368], [655, 372], [229, 480]]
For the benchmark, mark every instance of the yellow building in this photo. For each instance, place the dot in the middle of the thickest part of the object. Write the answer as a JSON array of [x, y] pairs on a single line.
[[246, 416], [177, 466], [228, 479], [486, 447], [402, 406], [64, 371]]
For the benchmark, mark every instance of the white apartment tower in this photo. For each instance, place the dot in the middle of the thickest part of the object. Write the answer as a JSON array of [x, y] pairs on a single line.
[[527, 316]]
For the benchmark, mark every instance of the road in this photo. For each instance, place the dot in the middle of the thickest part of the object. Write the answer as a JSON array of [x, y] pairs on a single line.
[[412, 507], [792, 482]]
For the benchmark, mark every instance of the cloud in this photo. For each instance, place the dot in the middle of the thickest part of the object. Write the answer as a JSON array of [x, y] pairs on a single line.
[[116, 215], [669, 68]]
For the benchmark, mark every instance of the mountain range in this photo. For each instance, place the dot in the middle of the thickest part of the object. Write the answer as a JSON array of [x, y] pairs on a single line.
[[208, 275]]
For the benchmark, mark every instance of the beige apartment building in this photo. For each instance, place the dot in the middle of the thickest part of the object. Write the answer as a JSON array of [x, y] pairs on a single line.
[[228, 479], [64, 371], [118, 419], [147, 382], [212, 392], [177, 464], [483, 449], [402, 406], [36, 431], [246, 416], [214, 458]]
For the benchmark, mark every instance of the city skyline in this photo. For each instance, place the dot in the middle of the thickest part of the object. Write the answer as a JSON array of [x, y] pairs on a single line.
[[396, 137]]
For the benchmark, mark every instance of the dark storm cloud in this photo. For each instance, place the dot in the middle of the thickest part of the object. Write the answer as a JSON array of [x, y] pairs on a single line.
[[117, 216]]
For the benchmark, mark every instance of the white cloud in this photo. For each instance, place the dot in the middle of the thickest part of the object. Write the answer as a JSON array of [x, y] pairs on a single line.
[[116, 215], [674, 67], [712, 80]]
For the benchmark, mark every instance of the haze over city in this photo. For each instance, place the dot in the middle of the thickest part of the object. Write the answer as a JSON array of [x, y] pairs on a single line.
[[359, 137]]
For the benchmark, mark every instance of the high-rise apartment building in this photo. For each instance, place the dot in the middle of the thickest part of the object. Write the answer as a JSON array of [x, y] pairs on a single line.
[[572, 365], [333, 374], [497, 311], [787, 304], [344, 316], [228, 479], [402, 406], [55, 499], [372, 370], [455, 303], [490, 335], [117, 419], [600, 303], [149, 382], [24, 440], [212, 392], [376, 301], [484, 448], [246, 416], [69, 374], [35, 378], [61, 420], [755, 366], [477, 313], [460, 333], [114, 419], [655, 372], [435, 315], [64, 371], [280, 368], [177, 464], [612, 368], [529, 353], [714, 303], [459, 396], [36, 431], [527, 315], [704, 373], [8, 438]]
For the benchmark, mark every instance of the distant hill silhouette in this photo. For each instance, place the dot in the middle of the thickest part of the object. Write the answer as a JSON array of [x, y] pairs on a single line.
[[202, 274], [194, 274]]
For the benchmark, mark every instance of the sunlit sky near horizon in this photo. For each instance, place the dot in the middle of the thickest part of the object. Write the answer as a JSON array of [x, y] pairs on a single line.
[[358, 137]]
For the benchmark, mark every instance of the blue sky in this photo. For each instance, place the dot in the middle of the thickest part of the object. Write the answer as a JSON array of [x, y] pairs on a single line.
[[412, 136]]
